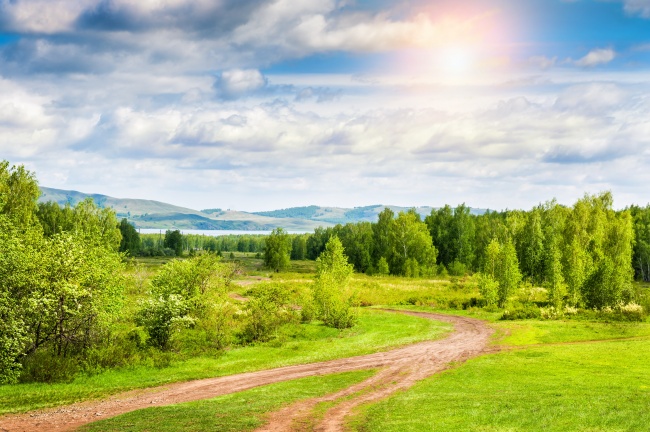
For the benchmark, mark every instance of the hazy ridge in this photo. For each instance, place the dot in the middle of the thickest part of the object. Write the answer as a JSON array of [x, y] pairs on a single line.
[[159, 215]]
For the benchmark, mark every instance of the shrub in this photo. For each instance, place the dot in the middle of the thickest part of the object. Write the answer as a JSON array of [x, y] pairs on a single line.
[[630, 312], [266, 312], [457, 268], [523, 312], [489, 288], [162, 317]]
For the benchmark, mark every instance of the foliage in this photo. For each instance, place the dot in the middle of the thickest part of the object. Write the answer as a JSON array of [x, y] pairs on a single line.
[[507, 274], [522, 312], [453, 234], [306, 343], [182, 292], [13, 339], [411, 240], [266, 312], [174, 241], [95, 225], [382, 267], [63, 291], [18, 194], [332, 297], [488, 287], [277, 252], [130, 242], [162, 317]]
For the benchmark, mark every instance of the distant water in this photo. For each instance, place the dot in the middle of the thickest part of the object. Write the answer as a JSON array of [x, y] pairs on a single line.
[[214, 233]]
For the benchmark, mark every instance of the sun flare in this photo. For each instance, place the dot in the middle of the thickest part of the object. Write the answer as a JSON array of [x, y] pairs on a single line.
[[456, 60]]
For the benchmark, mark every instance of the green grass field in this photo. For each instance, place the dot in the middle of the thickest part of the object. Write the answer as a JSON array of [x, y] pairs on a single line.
[[571, 384], [305, 343], [242, 411]]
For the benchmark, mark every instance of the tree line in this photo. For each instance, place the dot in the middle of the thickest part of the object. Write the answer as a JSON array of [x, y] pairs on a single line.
[[585, 255]]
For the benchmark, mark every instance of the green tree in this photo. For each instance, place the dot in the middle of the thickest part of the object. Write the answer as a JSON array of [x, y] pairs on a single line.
[[130, 242], [382, 232], [508, 276], [18, 194], [489, 288], [532, 246], [267, 310], [58, 294], [382, 267], [440, 225], [411, 240], [174, 241], [333, 300], [277, 252], [357, 240], [97, 226], [299, 247], [641, 253]]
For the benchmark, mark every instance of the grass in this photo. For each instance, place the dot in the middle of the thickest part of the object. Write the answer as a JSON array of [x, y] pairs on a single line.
[[533, 332], [305, 343], [570, 375], [242, 411], [601, 386]]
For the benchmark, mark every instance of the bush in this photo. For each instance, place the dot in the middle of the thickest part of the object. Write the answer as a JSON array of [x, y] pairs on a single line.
[[162, 317], [46, 367], [630, 312], [523, 312], [457, 268], [266, 312]]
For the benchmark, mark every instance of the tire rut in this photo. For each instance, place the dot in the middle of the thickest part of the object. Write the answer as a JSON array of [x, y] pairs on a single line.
[[399, 368]]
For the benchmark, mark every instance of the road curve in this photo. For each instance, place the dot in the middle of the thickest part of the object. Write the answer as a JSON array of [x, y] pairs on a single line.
[[398, 369]]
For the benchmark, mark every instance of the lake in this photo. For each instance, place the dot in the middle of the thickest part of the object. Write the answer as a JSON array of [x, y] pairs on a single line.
[[214, 233]]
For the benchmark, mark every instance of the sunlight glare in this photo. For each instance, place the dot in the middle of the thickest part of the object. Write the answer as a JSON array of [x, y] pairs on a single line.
[[456, 60]]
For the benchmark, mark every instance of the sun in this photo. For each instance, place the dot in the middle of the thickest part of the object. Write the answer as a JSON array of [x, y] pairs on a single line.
[[455, 60]]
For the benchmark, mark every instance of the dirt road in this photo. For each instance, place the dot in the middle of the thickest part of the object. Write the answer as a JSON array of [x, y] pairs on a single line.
[[398, 369]]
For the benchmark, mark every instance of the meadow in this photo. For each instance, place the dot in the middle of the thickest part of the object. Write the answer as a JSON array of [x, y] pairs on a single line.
[[570, 374]]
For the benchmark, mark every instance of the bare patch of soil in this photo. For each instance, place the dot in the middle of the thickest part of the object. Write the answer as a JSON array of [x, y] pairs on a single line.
[[399, 369]]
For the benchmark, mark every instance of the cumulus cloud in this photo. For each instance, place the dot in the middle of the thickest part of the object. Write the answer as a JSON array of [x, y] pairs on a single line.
[[597, 57], [166, 99]]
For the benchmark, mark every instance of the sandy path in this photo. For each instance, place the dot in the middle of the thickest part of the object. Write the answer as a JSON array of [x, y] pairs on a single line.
[[399, 368]]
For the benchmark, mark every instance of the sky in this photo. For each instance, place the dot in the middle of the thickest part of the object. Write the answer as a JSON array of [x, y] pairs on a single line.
[[258, 105]]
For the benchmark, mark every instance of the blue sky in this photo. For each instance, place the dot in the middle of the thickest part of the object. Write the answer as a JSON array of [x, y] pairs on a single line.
[[255, 105]]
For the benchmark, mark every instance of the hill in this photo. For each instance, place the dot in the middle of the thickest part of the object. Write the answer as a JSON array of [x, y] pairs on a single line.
[[148, 214]]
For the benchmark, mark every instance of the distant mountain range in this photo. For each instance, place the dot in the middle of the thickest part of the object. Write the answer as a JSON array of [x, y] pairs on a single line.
[[149, 214]]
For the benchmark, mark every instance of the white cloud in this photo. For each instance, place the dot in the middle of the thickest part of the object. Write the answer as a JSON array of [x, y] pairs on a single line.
[[597, 57], [43, 16], [235, 83], [123, 102], [542, 62], [638, 7]]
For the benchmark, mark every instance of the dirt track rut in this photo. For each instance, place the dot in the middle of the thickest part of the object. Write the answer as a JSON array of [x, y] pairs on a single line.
[[398, 369]]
